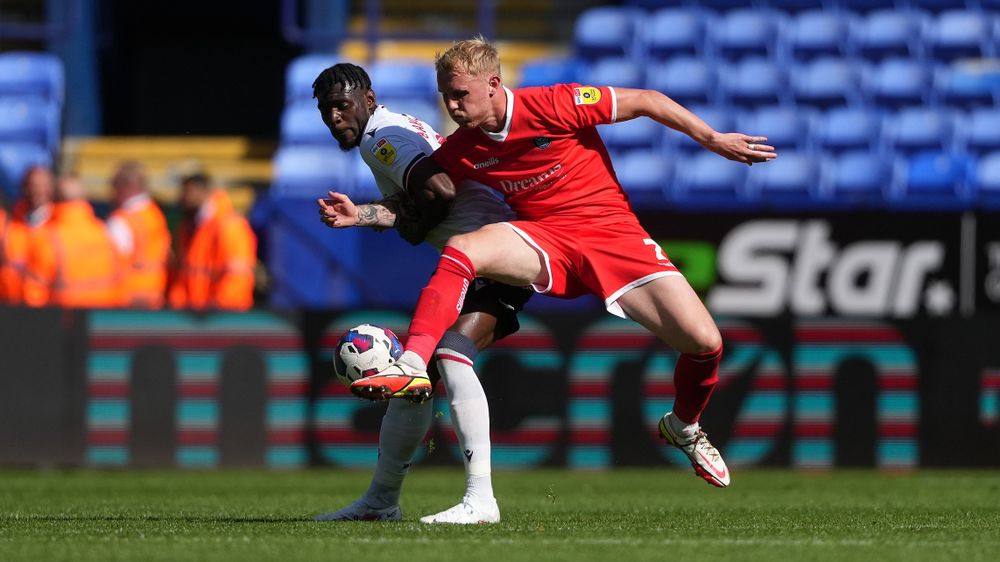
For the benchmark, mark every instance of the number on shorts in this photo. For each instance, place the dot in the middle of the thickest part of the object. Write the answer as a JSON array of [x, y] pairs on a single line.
[[660, 256]]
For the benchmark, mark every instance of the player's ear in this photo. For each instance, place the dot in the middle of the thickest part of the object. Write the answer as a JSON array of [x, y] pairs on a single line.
[[370, 101], [494, 83]]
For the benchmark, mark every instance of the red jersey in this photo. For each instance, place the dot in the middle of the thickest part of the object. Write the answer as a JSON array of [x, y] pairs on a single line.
[[548, 161]]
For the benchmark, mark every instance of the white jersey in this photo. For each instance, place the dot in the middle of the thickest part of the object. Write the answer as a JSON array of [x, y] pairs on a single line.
[[391, 146]]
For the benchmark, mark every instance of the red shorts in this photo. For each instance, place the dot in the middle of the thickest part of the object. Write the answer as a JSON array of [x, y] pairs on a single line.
[[606, 260]]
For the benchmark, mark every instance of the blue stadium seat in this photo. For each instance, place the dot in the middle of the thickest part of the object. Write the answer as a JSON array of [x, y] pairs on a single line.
[[886, 33], [428, 111], [29, 119], [707, 181], [674, 31], [717, 117], [725, 5], [898, 83], [302, 72], [966, 85], [825, 83], [32, 74], [645, 175], [301, 123], [688, 80], [795, 5], [744, 33], [640, 132], [607, 31], [816, 33], [854, 180], [785, 127], [622, 73], [15, 159], [866, 5], [847, 128], [959, 34], [754, 82], [548, 71], [791, 182], [931, 181], [980, 132], [941, 5], [364, 189], [311, 171], [988, 181], [399, 78], [919, 129]]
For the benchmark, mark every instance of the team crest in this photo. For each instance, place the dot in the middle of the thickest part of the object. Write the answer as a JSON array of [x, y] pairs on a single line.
[[586, 95], [384, 151], [542, 142]]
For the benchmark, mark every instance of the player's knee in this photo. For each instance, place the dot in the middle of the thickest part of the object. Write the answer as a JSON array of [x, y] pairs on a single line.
[[462, 243], [705, 339]]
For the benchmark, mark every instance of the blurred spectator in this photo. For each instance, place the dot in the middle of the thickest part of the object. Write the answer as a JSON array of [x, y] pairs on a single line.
[[13, 255], [37, 192], [139, 231], [216, 251], [72, 262]]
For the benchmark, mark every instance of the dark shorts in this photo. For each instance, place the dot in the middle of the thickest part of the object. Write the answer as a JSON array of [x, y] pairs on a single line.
[[498, 300]]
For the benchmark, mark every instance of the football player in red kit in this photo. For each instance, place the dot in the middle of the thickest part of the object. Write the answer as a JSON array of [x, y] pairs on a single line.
[[575, 231]]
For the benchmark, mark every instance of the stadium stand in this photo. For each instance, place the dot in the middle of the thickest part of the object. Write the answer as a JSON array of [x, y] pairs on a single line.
[[988, 181], [815, 33], [788, 183], [15, 159], [675, 31], [39, 75], [853, 180], [605, 31]]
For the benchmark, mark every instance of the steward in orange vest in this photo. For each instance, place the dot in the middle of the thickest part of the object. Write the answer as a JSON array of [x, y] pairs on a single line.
[[37, 193], [72, 262], [216, 252], [13, 258], [139, 231]]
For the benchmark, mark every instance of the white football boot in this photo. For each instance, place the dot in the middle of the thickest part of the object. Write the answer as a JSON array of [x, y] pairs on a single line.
[[466, 513], [361, 511], [705, 458]]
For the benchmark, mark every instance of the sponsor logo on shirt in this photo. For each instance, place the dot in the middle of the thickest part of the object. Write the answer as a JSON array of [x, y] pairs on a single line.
[[542, 142], [586, 95], [384, 151], [486, 163], [514, 186]]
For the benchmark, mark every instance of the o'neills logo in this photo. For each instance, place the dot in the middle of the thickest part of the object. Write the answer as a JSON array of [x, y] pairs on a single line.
[[509, 186], [487, 163]]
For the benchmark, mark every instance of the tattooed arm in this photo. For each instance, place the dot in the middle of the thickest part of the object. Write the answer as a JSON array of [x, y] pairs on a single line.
[[338, 211]]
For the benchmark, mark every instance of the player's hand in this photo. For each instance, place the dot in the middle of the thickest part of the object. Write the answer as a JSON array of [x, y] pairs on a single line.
[[741, 148], [337, 211]]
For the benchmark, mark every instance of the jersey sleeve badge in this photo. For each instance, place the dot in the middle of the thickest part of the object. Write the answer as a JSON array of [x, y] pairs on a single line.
[[384, 151], [586, 95]]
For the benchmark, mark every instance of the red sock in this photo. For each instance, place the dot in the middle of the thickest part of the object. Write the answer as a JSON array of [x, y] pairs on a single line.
[[440, 302], [695, 377]]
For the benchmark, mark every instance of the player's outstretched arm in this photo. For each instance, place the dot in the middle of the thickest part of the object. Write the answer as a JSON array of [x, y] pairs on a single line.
[[338, 211], [739, 147]]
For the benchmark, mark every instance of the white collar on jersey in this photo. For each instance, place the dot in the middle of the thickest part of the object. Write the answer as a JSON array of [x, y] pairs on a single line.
[[502, 135], [372, 125]]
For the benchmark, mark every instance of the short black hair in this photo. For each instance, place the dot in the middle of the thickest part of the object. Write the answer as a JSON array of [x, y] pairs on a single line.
[[345, 74]]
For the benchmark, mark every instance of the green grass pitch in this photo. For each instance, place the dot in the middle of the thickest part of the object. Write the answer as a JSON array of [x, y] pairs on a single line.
[[655, 514]]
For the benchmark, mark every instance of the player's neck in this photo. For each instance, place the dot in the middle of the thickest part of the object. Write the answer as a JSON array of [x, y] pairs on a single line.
[[498, 120]]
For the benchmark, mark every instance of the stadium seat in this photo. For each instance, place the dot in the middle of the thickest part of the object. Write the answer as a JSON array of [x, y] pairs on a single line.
[[548, 71], [988, 181], [15, 159], [400, 78], [789, 6], [428, 111], [311, 171], [898, 83], [645, 175], [364, 188], [687, 80], [640, 132], [707, 181], [866, 5], [754, 82], [785, 127], [853, 180], [719, 119], [825, 83], [966, 85], [744, 33], [301, 123], [607, 31], [918, 129], [931, 181], [815, 33], [847, 128], [674, 31], [622, 73], [886, 33], [29, 119], [959, 34], [980, 132], [791, 182], [302, 72], [941, 5], [32, 74]]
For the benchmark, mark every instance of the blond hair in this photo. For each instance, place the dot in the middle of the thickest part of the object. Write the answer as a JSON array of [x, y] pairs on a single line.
[[473, 57]]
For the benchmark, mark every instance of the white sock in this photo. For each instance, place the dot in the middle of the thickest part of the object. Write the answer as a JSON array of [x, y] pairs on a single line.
[[403, 428], [686, 430], [470, 414], [413, 360]]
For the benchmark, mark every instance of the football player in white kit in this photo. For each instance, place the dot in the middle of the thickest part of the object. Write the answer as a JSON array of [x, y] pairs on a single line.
[[397, 148]]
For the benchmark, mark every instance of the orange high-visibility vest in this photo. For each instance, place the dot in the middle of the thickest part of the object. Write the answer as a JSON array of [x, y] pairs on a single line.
[[13, 258], [145, 268], [72, 262], [216, 258]]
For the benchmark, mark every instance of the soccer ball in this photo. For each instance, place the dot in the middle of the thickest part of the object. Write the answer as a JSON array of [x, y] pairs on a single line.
[[363, 351]]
